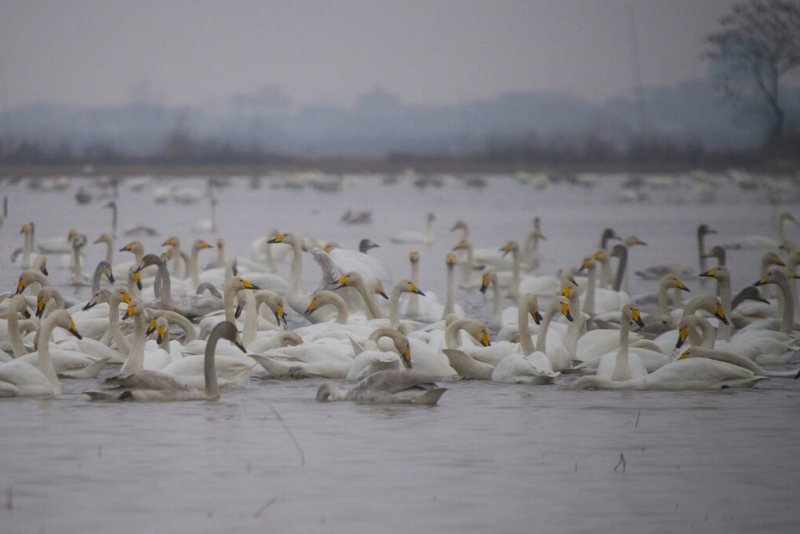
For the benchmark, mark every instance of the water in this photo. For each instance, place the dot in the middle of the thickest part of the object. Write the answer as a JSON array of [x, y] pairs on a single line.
[[488, 458]]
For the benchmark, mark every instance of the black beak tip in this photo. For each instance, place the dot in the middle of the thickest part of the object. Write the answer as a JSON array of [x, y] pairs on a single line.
[[45, 272], [569, 316]]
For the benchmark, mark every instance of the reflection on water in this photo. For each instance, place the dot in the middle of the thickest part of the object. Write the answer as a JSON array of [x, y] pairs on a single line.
[[489, 458]]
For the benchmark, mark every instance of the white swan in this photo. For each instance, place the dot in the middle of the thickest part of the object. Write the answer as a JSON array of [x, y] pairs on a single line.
[[410, 236], [19, 378], [372, 360], [623, 365], [688, 373]]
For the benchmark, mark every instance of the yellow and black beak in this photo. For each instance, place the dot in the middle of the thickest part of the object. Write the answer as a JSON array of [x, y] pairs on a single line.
[[137, 278], [537, 317], [74, 329], [383, 294], [248, 285], [711, 273], [450, 259], [342, 281], [719, 313], [239, 344], [406, 357], [280, 238], [682, 334], [150, 327], [40, 303], [110, 276], [485, 339], [312, 307], [414, 289], [484, 283], [636, 315], [161, 331], [760, 282], [565, 311], [90, 304], [566, 291], [20, 286], [126, 297], [279, 314], [680, 285], [126, 247], [129, 311]]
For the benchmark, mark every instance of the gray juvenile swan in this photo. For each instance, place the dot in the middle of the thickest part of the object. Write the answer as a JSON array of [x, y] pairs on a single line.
[[175, 391], [391, 386]]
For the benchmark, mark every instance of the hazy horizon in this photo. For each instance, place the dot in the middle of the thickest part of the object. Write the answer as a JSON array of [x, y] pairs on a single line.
[[444, 52]]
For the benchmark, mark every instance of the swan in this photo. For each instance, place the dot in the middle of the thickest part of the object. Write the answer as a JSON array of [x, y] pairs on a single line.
[[174, 391], [489, 278], [359, 261], [390, 386], [194, 277], [401, 286], [463, 360], [325, 357], [531, 247], [191, 306], [531, 366], [372, 360], [410, 236], [19, 378], [427, 308], [30, 277], [468, 264], [685, 374], [623, 365], [703, 345]]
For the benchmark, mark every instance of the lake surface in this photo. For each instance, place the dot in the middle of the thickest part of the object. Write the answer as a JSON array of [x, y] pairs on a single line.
[[489, 457]]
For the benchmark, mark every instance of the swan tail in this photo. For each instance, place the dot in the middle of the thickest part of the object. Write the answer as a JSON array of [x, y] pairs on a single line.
[[782, 374], [90, 371]]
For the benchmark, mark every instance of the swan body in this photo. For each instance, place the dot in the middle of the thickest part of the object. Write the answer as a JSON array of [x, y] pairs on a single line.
[[19, 378], [386, 387], [410, 236], [686, 374]]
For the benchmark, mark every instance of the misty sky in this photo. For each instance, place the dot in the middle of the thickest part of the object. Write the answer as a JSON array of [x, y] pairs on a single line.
[[100, 52]]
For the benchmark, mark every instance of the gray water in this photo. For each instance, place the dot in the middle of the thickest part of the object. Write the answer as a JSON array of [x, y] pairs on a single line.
[[488, 458]]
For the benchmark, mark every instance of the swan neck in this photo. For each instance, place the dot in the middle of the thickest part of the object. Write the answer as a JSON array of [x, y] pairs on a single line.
[[541, 339], [98, 272], [45, 364], [113, 324], [342, 313], [621, 366], [110, 251], [193, 275], [663, 304], [250, 318], [165, 294], [590, 290], [14, 336], [136, 355], [449, 300], [297, 266], [725, 296], [622, 268], [209, 366], [452, 334], [413, 299], [228, 296], [525, 340]]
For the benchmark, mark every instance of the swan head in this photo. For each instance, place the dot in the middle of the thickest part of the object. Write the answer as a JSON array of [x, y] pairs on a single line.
[[101, 295], [28, 277], [510, 246], [528, 302], [161, 327], [459, 225], [237, 282], [463, 244], [148, 260], [313, 305], [407, 286], [282, 238], [25, 228], [330, 392], [377, 288], [133, 246], [587, 264], [486, 277], [366, 244], [632, 313], [677, 283], [563, 303], [329, 246], [704, 229], [450, 259], [134, 308], [201, 244], [136, 277], [609, 233], [172, 241], [413, 256], [632, 241], [103, 238], [227, 330]]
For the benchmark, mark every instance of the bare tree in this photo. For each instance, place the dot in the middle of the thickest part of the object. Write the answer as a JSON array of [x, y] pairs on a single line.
[[756, 45]]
